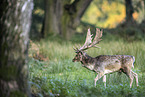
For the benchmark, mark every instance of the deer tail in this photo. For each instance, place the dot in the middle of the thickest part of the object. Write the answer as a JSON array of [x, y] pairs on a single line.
[[133, 61]]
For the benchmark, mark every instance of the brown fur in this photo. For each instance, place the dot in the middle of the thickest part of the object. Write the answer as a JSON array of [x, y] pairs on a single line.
[[105, 64]]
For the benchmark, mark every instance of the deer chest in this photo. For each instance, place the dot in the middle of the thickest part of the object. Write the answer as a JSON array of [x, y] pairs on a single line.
[[90, 66]]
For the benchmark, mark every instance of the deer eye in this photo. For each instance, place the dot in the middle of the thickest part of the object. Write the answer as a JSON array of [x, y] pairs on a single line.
[[77, 55]]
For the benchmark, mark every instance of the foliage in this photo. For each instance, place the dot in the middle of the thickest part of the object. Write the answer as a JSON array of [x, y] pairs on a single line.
[[101, 14], [61, 77], [110, 13], [129, 33]]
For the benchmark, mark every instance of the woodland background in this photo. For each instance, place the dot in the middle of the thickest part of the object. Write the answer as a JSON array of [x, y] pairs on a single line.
[[37, 39]]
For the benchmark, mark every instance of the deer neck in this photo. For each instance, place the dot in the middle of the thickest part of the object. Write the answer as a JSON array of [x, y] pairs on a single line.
[[87, 62]]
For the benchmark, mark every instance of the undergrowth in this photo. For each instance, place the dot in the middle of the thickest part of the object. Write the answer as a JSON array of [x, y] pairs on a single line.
[[57, 75]]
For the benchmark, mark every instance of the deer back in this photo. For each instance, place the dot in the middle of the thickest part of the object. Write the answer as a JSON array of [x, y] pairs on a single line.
[[111, 63]]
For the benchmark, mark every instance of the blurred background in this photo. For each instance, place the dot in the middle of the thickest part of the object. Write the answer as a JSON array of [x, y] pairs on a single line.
[[65, 18]]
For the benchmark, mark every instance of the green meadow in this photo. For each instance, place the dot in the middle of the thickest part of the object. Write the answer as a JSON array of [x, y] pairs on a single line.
[[59, 76]]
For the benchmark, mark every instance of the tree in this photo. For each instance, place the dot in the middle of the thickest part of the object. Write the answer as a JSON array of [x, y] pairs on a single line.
[[15, 23], [37, 19], [63, 16], [129, 11]]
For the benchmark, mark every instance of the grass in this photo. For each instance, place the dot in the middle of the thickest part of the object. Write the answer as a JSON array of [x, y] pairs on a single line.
[[59, 76]]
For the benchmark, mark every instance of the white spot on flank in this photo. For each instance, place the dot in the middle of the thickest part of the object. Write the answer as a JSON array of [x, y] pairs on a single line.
[[107, 71]]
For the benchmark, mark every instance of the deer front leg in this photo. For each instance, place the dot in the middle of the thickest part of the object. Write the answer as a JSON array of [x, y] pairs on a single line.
[[98, 77], [104, 80]]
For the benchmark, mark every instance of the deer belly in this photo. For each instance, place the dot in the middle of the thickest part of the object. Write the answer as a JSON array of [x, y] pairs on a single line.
[[108, 71]]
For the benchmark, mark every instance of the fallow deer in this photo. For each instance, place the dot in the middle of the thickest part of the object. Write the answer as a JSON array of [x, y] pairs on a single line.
[[104, 64]]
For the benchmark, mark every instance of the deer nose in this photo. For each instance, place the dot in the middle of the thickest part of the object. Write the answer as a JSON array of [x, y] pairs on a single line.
[[73, 60]]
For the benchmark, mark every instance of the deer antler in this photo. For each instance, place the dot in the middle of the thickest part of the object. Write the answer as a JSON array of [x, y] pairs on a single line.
[[97, 37], [88, 43], [88, 40]]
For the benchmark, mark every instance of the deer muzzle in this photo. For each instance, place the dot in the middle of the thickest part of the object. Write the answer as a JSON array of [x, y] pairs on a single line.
[[73, 60]]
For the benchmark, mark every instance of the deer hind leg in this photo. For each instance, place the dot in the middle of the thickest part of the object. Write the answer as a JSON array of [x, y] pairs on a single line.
[[98, 77], [131, 79], [129, 74], [136, 77]]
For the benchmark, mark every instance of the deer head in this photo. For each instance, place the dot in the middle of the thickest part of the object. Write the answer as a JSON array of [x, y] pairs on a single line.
[[80, 54], [78, 57]]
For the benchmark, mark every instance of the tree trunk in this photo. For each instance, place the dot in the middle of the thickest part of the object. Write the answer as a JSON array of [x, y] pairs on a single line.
[[15, 23], [63, 16], [129, 11]]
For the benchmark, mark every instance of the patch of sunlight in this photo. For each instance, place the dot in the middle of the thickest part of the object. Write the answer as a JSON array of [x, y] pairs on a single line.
[[106, 14], [39, 11]]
